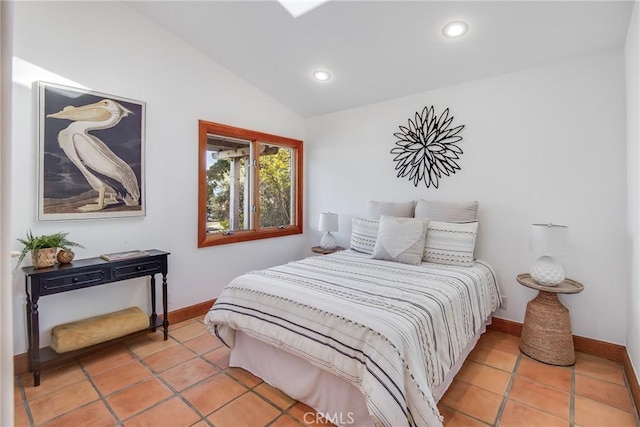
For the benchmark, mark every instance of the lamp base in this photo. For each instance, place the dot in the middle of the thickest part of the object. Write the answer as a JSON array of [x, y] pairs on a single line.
[[328, 242], [547, 271]]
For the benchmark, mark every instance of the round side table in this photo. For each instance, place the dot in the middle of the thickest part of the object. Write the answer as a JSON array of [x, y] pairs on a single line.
[[546, 331]]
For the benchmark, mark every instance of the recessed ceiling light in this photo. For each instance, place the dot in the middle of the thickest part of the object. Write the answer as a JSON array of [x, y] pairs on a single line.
[[321, 75], [455, 29]]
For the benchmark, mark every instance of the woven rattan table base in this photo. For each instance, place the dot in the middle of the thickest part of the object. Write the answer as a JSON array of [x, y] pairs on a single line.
[[546, 331]]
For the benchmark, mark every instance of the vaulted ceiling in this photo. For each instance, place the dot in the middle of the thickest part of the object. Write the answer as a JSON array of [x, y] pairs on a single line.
[[379, 50]]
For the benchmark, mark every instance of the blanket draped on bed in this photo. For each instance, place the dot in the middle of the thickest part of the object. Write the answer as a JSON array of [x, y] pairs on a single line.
[[393, 330]]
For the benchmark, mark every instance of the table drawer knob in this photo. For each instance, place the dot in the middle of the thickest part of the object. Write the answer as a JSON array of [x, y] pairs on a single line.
[[75, 280], [139, 268]]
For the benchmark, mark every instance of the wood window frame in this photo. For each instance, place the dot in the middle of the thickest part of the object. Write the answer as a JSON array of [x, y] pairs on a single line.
[[256, 232]]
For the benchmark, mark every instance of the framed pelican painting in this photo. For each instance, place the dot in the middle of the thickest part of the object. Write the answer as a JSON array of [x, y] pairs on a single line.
[[91, 154]]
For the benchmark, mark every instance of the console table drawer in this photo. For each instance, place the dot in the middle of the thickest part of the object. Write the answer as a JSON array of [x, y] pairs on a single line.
[[135, 269], [75, 281]]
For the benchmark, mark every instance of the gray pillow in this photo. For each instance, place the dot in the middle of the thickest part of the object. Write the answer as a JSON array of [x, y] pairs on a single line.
[[401, 240], [447, 211], [397, 209]]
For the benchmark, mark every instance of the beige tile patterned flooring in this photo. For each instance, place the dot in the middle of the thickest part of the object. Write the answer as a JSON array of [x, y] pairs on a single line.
[[186, 381]]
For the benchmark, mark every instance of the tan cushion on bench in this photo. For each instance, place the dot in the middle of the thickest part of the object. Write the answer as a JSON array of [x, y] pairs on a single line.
[[94, 330]]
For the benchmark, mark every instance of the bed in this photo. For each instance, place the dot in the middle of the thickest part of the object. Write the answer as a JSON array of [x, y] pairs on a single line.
[[363, 341]]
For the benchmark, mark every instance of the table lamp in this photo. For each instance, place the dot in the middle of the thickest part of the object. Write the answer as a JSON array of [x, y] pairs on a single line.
[[328, 223], [547, 242]]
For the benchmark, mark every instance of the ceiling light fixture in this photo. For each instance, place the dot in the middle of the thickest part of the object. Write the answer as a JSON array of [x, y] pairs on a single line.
[[321, 75], [300, 7], [455, 29]]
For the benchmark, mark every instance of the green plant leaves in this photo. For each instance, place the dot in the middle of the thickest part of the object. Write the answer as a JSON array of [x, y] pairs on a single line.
[[34, 243]]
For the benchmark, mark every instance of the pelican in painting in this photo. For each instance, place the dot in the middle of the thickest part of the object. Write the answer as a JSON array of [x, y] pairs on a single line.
[[107, 173]]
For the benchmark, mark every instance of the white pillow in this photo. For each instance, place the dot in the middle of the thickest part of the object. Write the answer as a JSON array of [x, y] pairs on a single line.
[[451, 243], [364, 233], [397, 209], [401, 240], [447, 211]]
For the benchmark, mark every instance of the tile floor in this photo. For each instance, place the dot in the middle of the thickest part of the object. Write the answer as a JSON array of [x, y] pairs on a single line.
[[186, 381]]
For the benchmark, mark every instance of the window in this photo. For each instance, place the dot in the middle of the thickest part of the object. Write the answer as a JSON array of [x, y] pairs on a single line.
[[250, 185]]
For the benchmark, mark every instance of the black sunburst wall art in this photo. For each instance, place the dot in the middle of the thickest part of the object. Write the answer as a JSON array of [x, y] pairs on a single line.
[[427, 148]]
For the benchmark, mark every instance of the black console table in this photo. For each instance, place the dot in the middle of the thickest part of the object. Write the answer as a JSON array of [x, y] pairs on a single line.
[[85, 273]]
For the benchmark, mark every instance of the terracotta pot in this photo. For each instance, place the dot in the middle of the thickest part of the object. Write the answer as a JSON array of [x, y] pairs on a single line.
[[65, 257], [45, 257]]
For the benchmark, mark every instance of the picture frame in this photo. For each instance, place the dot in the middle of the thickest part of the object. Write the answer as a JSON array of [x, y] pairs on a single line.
[[91, 154]]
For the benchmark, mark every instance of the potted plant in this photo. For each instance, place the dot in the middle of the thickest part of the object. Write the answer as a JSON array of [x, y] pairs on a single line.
[[43, 248]]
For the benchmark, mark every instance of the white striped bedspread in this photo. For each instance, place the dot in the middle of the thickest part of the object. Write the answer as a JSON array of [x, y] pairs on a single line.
[[393, 330]]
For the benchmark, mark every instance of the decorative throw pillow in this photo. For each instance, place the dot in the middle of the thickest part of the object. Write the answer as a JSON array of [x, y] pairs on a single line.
[[364, 233], [397, 209], [451, 243], [401, 239], [447, 211]]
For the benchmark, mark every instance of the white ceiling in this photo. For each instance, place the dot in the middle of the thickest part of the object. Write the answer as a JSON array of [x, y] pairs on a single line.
[[378, 50]]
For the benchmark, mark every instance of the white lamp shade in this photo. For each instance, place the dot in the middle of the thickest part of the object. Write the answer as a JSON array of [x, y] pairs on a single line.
[[328, 222], [548, 239]]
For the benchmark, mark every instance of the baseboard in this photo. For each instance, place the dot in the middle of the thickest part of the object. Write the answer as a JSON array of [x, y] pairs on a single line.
[[603, 349], [507, 326], [21, 361], [591, 346], [634, 385], [617, 353], [186, 313]]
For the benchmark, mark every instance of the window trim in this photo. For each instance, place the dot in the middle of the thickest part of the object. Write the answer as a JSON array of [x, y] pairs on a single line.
[[211, 239]]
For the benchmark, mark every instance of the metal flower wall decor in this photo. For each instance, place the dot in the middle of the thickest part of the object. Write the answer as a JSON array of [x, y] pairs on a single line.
[[426, 148]]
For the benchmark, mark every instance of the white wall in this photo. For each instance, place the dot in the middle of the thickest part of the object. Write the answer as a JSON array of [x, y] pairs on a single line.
[[545, 144], [110, 48], [6, 320], [632, 61]]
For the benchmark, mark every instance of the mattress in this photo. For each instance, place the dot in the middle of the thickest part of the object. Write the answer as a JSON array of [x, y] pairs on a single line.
[[394, 331]]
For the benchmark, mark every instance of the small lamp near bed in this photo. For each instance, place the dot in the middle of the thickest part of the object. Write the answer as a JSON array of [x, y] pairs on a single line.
[[328, 223], [547, 242]]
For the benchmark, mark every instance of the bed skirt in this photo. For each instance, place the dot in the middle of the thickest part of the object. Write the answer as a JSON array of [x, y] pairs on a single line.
[[336, 399]]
